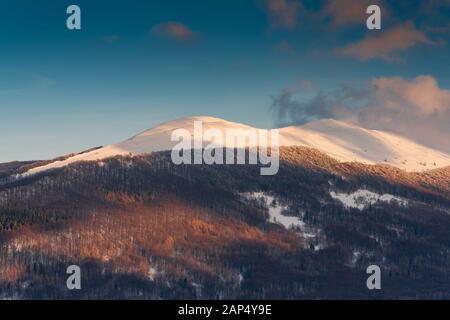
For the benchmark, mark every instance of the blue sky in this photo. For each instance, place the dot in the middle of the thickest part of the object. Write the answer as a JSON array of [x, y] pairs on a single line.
[[64, 91]]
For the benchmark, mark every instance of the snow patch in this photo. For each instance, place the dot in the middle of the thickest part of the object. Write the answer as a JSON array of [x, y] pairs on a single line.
[[152, 273], [240, 278], [361, 199], [355, 257], [275, 211], [313, 238]]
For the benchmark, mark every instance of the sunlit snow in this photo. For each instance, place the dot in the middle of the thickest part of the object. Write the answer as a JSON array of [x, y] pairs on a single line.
[[339, 140], [361, 199]]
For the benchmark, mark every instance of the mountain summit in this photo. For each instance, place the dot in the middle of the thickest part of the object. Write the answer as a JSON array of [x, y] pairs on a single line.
[[340, 140]]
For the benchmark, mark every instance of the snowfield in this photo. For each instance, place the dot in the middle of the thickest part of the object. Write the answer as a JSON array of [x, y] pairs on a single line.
[[340, 140], [276, 214], [275, 211], [295, 224], [361, 199]]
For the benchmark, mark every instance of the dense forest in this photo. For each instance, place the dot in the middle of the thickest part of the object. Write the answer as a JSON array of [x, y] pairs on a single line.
[[143, 228]]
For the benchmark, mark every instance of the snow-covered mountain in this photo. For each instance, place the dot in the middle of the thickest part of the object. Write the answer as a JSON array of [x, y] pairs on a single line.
[[340, 140]]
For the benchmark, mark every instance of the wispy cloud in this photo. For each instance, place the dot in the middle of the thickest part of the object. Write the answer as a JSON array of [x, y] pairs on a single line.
[[345, 12], [337, 13], [386, 44], [283, 13], [174, 30]]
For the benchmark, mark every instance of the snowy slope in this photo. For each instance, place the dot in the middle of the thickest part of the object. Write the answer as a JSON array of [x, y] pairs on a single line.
[[347, 143], [339, 140]]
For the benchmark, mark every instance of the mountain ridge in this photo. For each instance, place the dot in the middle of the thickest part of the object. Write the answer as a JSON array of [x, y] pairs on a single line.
[[342, 141]]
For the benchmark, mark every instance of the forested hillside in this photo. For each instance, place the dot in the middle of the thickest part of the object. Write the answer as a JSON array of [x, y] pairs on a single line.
[[141, 227]]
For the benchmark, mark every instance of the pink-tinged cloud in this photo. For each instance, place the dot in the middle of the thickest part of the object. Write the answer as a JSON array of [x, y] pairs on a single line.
[[174, 30], [345, 12], [283, 13], [421, 95], [416, 108], [387, 43]]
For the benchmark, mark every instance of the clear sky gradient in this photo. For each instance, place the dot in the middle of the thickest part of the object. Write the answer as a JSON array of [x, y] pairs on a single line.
[[137, 63]]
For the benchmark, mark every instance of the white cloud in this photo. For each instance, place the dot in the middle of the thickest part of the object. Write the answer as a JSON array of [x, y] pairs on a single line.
[[417, 108]]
